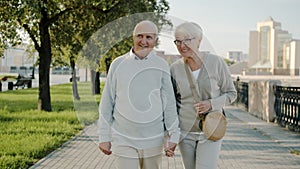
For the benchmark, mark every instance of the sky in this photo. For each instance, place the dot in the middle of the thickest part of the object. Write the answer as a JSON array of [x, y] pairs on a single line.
[[226, 23]]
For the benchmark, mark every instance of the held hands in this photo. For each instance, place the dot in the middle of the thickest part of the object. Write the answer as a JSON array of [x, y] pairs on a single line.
[[105, 147], [170, 150], [202, 106], [169, 147]]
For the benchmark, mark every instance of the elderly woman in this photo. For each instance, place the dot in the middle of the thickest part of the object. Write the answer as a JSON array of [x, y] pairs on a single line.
[[215, 89]]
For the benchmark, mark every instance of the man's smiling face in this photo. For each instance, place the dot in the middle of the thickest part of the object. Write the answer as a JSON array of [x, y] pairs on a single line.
[[144, 38]]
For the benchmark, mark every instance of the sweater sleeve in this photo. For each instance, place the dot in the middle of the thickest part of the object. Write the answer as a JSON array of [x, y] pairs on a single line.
[[170, 113], [106, 107], [228, 92]]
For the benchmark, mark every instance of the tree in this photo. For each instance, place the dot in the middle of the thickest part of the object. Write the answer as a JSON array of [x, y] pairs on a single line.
[[229, 62], [53, 24]]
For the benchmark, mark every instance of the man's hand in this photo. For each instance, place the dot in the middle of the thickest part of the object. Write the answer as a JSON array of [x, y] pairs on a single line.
[[169, 146], [170, 150], [105, 147]]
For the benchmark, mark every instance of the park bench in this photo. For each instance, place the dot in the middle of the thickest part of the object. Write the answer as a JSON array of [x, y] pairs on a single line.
[[22, 82], [77, 78]]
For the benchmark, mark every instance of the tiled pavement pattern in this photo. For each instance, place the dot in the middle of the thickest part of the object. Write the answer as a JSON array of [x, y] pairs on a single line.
[[249, 143]]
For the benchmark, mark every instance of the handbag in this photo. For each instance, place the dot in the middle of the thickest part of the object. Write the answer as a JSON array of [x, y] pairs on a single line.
[[212, 123]]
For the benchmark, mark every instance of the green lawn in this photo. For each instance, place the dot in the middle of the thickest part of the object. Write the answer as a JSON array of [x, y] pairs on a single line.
[[28, 135]]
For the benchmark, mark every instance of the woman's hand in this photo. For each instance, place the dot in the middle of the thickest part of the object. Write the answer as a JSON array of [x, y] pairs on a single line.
[[169, 147], [105, 147], [170, 150], [202, 106]]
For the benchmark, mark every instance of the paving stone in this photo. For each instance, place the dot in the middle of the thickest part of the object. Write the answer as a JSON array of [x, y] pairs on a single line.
[[249, 143]]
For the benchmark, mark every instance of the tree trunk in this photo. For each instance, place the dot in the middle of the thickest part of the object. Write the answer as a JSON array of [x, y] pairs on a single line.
[[44, 100], [97, 83], [107, 64], [74, 81], [93, 77]]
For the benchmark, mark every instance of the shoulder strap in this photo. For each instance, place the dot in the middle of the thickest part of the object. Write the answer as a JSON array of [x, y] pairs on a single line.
[[194, 92], [192, 85]]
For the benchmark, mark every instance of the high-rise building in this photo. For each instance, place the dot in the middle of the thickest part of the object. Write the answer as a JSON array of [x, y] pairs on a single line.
[[236, 56], [291, 57], [271, 49]]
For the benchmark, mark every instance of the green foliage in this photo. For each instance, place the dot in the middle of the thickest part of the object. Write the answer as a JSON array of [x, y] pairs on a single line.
[[295, 152], [70, 23], [59, 29], [115, 39], [115, 51], [14, 162], [28, 135], [229, 62]]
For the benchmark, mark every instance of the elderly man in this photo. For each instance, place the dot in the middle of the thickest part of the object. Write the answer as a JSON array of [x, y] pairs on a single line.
[[138, 105]]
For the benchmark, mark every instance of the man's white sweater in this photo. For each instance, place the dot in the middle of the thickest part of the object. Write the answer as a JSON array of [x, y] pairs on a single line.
[[138, 103]]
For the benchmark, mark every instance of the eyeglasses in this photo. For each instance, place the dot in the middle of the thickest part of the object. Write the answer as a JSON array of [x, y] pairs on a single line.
[[184, 41]]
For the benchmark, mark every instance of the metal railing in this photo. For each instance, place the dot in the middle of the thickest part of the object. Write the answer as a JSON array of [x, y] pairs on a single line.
[[287, 106], [242, 93]]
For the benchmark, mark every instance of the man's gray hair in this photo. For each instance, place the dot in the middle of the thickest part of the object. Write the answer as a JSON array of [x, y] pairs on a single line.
[[148, 27]]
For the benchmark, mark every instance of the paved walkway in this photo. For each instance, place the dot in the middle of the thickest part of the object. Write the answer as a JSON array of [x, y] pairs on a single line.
[[249, 143]]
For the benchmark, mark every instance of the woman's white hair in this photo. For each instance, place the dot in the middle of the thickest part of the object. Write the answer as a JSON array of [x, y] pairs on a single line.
[[190, 29]]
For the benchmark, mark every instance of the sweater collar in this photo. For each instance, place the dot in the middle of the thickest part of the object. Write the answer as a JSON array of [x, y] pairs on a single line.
[[133, 55]]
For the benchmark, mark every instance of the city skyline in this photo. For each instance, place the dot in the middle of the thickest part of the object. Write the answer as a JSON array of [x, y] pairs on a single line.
[[227, 25]]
